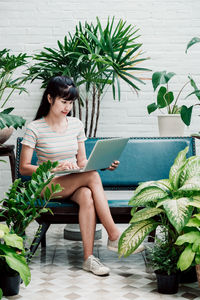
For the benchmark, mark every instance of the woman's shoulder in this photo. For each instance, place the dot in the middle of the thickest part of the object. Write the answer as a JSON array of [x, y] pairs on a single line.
[[75, 121], [35, 124]]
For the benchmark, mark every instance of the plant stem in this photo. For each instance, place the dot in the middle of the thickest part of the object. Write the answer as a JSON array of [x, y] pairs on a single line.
[[7, 97], [86, 113], [93, 109], [179, 94], [98, 111]]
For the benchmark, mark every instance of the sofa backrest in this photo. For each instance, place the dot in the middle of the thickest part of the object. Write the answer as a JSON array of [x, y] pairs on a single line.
[[143, 159]]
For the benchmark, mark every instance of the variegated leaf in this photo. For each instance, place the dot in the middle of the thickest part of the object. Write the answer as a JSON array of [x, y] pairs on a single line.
[[162, 201], [148, 194], [175, 181], [178, 212], [191, 169], [195, 204], [145, 213], [166, 183], [133, 236], [178, 163], [192, 184]]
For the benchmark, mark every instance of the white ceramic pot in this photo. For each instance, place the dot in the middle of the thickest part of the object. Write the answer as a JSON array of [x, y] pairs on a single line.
[[5, 134], [171, 125]]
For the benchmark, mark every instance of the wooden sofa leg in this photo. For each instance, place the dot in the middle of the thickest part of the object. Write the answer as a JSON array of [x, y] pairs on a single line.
[[43, 241], [39, 236]]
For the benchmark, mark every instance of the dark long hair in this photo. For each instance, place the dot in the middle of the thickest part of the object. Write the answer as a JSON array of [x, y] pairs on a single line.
[[58, 86]]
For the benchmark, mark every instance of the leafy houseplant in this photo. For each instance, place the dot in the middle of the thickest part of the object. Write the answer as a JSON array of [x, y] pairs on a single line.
[[9, 82], [190, 240], [163, 258], [12, 259], [23, 202], [166, 99], [96, 58], [167, 203]]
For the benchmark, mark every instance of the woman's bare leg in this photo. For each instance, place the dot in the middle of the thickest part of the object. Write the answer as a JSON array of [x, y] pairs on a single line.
[[92, 180], [87, 218]]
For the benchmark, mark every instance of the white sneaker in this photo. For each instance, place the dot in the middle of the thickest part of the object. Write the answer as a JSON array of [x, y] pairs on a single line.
[[113, 246], [93, 264]]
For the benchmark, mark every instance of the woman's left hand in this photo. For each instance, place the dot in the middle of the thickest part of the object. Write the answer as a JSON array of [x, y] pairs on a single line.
[[114, 165]]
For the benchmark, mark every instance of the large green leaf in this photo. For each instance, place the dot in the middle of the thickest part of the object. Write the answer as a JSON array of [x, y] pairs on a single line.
[[186, 258], [178, 212], [192, 184], [17, 262], [161, 78], [186, 114], [151, 107], [164, 98], [7, 120], [178, 163], [133, 236], [4, 228], [13, 240], [148, 194], [145, 213], [192, 42], [189, 237], [191, 169]]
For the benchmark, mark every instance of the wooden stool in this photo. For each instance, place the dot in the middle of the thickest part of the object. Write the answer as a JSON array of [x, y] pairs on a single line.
[[8, 150]]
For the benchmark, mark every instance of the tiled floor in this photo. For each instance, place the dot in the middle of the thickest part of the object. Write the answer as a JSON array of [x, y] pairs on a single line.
[[57, 274]]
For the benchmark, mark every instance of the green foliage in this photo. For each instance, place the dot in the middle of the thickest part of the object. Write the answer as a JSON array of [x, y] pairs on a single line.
[[9, 83], [163, 257], [191, 243], [12, 255], [1, 293], [96, 57], [165, 98], [23, 202], [168, 203]]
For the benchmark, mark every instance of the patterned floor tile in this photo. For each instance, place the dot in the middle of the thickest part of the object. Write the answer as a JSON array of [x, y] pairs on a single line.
[[57, 274]]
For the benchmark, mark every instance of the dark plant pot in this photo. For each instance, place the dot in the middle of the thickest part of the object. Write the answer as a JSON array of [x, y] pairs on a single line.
[[10, 284], [167, 284], [188, 276]]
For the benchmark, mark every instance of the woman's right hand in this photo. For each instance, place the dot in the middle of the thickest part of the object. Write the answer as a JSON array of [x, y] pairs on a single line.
[[66, 165]]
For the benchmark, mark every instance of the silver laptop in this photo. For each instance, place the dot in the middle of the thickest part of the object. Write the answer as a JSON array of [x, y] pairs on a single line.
[[103, 154]]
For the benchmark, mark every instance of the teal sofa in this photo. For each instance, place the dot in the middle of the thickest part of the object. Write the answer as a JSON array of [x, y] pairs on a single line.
[[143, 159]]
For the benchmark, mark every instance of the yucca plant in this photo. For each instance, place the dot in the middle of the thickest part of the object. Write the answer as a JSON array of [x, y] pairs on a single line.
[[167, 203], [10, 82], [96, 57]]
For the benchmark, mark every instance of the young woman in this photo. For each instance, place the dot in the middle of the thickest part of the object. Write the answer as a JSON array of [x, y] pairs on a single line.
[[57, 137]]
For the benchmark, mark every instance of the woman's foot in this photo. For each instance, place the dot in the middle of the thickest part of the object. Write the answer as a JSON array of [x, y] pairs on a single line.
[[113, 246], [93, 264]]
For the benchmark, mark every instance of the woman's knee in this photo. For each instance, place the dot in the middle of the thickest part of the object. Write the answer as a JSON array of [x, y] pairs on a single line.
[[86, 199], [94, 177]]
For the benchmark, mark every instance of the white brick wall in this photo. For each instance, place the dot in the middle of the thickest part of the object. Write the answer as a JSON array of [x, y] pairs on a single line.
[[165, 26]]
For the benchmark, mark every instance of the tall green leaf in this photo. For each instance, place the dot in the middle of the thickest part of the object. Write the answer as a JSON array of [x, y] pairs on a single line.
[[178, 212], [186, 258], [133, 236], [178, 163]]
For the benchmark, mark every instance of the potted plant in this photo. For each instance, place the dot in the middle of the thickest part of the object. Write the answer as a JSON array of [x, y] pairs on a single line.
[[172, 123], [9, 82], [167, 203], [163, 257], [23, 202], [190, 242], [96, 58], [13, 266]]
